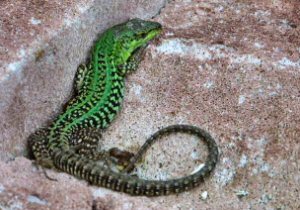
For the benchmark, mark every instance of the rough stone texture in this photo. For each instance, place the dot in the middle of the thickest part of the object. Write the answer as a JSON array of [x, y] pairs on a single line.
[[231, 67], [22, 186]]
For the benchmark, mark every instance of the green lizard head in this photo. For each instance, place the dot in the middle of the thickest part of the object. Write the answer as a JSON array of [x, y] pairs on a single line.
[[131, 36]]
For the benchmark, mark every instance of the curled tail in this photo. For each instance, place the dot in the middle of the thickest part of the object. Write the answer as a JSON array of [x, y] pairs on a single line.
[[84, 168]]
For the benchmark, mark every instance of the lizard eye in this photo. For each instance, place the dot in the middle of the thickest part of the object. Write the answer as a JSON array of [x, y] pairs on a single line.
[[143, 35]]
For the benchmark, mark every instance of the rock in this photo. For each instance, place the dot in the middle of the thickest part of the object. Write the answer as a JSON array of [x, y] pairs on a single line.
[[230, 67], [25, 187]]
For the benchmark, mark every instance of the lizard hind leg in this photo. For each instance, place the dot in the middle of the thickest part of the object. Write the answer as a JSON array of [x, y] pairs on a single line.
[[37, 143], [86, 142], [120, 158]]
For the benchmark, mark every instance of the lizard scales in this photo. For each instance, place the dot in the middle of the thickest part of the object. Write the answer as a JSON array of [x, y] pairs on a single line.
[[99, 87]]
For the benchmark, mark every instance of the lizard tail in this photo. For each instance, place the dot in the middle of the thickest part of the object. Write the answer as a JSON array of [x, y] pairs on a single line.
[[89, 170]]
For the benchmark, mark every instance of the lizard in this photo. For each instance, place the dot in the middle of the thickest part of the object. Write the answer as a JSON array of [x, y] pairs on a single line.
[[69, 143]]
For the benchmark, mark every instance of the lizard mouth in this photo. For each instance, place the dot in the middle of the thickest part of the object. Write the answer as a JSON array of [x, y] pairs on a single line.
[[144, 40], [146, 37], [151, 34]]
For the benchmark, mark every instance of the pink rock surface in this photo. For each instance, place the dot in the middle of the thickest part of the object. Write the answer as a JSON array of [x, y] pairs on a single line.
[[231, 67], [22, 186]]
